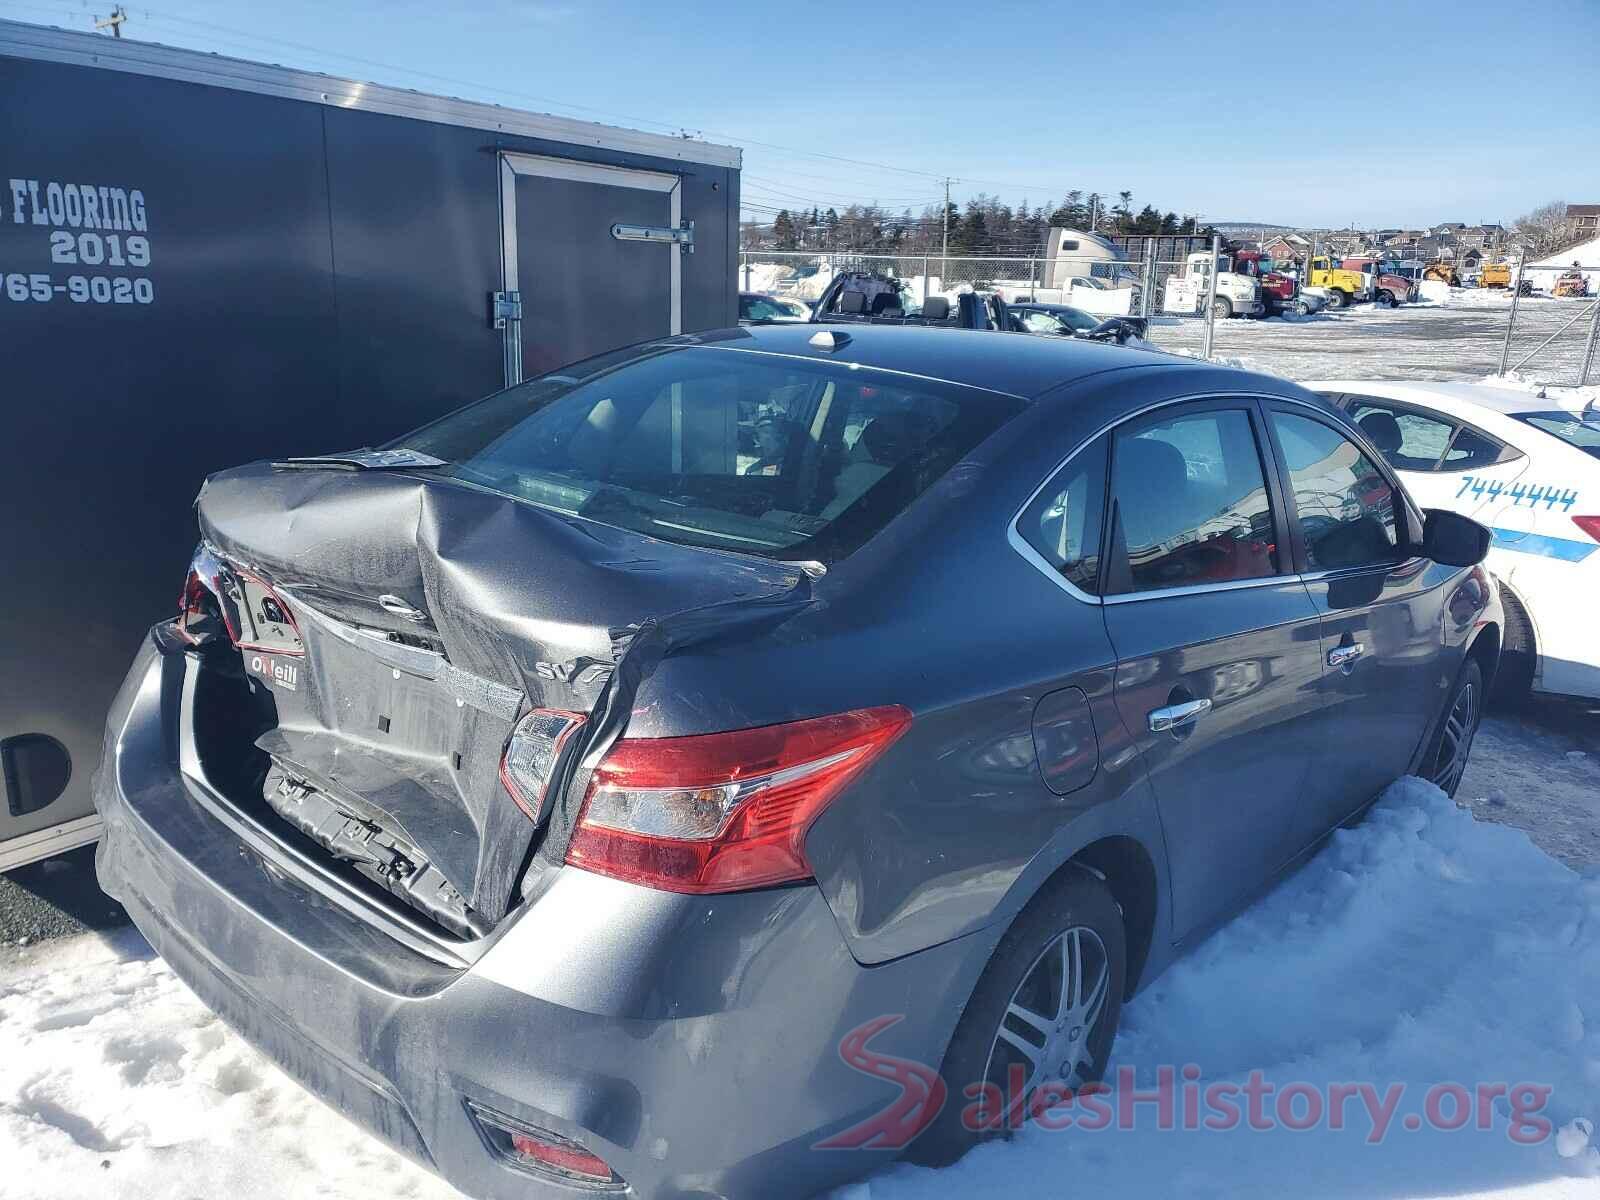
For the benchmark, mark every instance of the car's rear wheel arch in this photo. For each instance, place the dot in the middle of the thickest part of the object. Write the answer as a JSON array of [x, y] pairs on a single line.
[[1485, 648], [1126, 868]]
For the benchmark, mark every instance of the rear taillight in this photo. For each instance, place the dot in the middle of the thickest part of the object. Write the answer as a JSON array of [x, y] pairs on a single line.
[[533, 754], [722, 812], [1590, 525]]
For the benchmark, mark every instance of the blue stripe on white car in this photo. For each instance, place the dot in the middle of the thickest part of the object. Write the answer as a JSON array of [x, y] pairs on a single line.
[[1545, 547]]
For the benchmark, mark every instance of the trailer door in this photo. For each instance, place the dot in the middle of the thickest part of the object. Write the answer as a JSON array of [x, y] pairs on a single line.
[[593, 259]]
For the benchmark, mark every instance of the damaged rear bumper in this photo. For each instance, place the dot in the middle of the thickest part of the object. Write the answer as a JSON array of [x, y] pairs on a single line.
[[689, 1041]]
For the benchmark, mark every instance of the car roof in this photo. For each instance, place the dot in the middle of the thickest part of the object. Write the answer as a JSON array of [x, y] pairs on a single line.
[[1020, 364], [1507, 400]]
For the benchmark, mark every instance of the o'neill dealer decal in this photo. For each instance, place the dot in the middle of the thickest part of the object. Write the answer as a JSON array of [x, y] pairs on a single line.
[[283, 672]]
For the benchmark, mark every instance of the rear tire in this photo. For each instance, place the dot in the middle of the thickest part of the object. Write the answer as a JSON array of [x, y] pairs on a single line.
[[1027, 972], [1519, 656], [1452, 743]]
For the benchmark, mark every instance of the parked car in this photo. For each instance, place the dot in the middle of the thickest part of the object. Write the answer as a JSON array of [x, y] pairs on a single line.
[[1526, 467], [579, 798], [1063, 320], [761, 308]]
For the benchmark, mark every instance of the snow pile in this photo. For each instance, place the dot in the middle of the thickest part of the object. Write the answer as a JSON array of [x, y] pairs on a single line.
[[1434, 291], [1421, 948], [115, 1081]]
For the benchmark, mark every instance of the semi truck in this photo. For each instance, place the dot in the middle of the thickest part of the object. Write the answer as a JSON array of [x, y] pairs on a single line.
[[1237, 294]]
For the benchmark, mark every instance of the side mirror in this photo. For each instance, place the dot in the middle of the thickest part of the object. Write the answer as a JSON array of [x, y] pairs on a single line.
[[1454, 540]]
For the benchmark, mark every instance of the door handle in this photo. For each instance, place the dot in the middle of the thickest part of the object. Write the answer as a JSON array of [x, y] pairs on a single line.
[[1345, 656], [1174, 715]]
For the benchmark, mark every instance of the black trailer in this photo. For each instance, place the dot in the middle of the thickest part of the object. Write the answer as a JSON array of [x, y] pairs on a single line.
[[206, 261]]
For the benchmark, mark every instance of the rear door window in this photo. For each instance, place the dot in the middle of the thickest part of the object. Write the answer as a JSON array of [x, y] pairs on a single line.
[[1471, 451], [1063, 523], [1409, 440], [764, 454], [1191, 496], [1345, 506]]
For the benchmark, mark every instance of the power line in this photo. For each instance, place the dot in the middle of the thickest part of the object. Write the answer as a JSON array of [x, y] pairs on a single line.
[[250, 38]]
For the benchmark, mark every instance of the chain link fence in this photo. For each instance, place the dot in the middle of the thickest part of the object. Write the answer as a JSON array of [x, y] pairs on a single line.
[[1539, 333], [1553, 325], [1137, 281]]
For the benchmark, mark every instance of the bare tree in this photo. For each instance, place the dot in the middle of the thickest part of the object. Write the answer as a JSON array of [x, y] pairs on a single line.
[[1544, 230]]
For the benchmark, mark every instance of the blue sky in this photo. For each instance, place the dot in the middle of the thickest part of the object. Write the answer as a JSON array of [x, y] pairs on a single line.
[[1375, 113]]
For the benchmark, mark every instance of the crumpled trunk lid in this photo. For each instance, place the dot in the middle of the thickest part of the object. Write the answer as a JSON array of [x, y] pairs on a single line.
[[433, 615]]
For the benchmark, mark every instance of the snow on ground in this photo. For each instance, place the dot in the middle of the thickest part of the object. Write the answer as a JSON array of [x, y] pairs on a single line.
[[1421, 947], [1460, 339], [116, 1082]]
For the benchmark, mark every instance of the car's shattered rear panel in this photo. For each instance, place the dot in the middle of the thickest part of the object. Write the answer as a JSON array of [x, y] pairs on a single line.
[[432, 615]]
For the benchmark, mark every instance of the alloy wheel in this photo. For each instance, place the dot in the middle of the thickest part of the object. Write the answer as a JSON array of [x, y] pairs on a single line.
[[1048, 1024], [1455, 740]]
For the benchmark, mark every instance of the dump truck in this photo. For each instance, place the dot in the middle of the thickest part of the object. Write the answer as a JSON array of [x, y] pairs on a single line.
[[1280, 293], [1344, 286], [1388, 287]]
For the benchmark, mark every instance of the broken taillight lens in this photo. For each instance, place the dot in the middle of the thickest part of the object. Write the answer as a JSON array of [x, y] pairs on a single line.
[[218, 598], [200, 608], [723, 812], [533, 755]]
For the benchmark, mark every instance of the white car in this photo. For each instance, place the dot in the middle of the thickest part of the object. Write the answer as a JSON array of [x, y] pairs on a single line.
[[1527, 467]]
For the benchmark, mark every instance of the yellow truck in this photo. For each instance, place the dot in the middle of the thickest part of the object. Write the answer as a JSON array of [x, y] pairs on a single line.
[[1495, 275], [1344, 287]]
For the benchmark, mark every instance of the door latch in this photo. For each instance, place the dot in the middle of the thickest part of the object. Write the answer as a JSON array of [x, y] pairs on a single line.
[[503, 307], [683, 235]]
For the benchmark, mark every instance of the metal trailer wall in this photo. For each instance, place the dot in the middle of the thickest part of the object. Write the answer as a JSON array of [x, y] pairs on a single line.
[[205, 262]]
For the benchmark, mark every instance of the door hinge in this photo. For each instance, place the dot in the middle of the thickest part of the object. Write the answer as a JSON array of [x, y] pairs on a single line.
[[503, 307], [683, 235]]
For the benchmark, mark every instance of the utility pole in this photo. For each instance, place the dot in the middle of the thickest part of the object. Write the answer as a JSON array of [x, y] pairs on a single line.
[[944, 246], [113, 22]]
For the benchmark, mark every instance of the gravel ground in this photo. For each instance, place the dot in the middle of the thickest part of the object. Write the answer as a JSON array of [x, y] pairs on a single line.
[[1538, 769], [55, 898]]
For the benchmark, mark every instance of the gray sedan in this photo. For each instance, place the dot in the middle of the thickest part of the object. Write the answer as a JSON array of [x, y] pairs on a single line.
[[683, 771]]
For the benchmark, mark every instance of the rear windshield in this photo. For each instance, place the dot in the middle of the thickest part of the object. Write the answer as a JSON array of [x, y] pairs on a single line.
[[783, 457], [1582, 432]]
